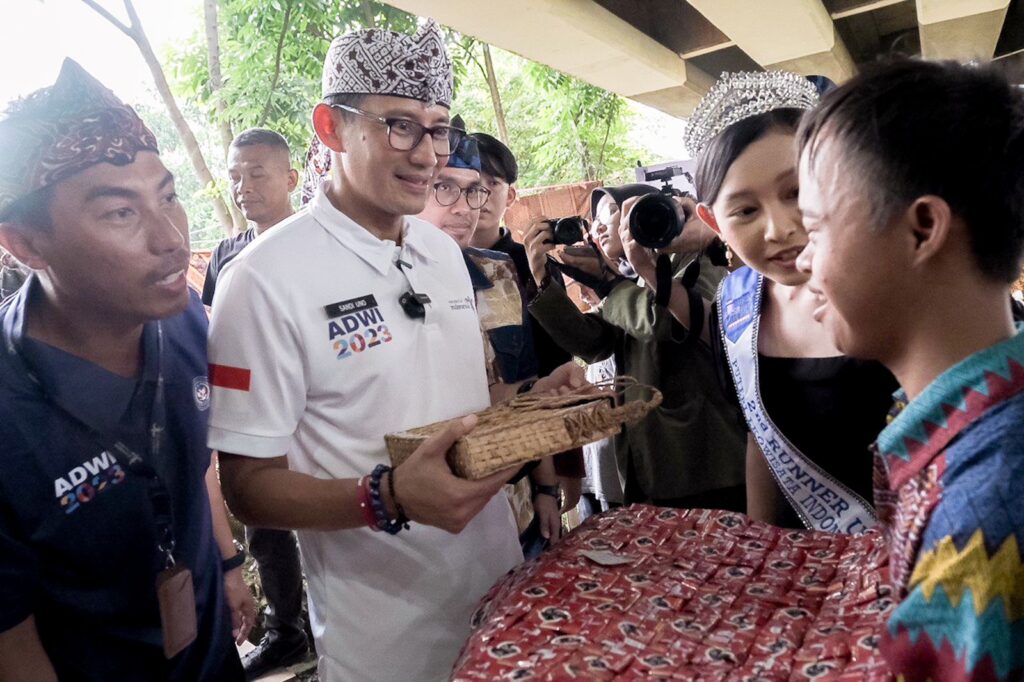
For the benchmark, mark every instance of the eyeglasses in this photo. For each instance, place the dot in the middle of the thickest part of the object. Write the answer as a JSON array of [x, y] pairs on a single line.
[[405, 135], [448, 193]]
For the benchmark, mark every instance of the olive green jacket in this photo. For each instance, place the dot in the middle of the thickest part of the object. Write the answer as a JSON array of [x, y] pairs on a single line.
[[695, 441]]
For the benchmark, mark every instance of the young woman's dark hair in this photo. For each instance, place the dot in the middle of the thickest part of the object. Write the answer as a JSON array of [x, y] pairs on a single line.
[[715, 159], [959, 135]]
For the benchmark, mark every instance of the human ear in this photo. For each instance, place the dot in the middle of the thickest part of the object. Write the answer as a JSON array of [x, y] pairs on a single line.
[[929, 224], [512, 196], [23, 243], [327, 128], [293, 179], [707, 217]]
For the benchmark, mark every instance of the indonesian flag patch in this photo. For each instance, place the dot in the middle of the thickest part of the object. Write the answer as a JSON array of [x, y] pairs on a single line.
[[234, 378]]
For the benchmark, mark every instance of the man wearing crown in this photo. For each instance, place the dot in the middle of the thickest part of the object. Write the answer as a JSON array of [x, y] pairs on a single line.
[[347, 322]]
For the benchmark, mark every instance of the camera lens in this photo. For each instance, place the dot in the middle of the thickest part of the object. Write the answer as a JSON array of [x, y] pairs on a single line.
[[568, 231], [656, 220]]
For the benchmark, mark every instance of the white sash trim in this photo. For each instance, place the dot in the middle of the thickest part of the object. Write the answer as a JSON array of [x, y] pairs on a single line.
[[822, 502]]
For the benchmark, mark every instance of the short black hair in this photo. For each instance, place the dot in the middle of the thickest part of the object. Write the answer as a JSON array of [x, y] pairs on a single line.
[[496, 159], [32, 210], [913, 128], [348, 99], [721, 152], [264, 136]]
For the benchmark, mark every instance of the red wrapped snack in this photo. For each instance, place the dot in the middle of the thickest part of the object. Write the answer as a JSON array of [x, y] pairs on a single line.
[[651, 593]]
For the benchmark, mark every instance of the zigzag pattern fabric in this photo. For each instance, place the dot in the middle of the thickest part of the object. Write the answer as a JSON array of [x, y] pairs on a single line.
[[955, 459]]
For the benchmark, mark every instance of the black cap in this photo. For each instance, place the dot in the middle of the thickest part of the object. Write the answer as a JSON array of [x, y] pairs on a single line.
[[619, 194], [497, 159]]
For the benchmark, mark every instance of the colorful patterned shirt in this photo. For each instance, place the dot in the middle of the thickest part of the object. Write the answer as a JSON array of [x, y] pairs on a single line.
[[954, 463]]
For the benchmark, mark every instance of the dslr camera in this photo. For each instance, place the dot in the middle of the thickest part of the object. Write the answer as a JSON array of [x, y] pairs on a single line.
[[568, 231], [657, 219]]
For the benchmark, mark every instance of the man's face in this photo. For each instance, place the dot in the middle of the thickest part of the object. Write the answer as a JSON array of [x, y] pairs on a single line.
[[390, 181], [262, 181], [458, 221], [119, 242], [857, 270], [493, 211], [604, 229]]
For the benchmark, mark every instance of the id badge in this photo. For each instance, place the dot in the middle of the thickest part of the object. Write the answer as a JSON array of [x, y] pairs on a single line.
[[177, 598]]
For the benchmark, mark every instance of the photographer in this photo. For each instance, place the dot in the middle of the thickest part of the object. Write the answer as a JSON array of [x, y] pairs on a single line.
[[689, 451]]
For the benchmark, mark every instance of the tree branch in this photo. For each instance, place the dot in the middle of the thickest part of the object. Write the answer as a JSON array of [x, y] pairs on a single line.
[[110, 17], [367, 7], [467, 49], [212, 25], [492, 85], [138, 36], [277, 63], [604, 145], [133, 17]]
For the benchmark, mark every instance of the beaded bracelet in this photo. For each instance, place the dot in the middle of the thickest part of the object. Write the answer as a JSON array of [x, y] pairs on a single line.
[[376, 501]]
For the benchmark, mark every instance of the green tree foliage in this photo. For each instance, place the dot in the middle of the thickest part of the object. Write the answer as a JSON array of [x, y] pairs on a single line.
[[561, 129], [271, 56], [204, 227]]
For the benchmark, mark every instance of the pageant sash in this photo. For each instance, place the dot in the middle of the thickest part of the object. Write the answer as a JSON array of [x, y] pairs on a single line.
[[822, 502]]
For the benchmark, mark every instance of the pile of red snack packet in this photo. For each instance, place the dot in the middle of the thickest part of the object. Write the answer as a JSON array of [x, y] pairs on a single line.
[[653, 593]]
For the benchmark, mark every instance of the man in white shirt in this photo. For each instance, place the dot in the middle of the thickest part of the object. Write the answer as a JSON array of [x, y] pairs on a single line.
[[348, 321]]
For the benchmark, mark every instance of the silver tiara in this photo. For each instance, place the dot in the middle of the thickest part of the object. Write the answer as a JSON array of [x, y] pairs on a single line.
[[736, 96]]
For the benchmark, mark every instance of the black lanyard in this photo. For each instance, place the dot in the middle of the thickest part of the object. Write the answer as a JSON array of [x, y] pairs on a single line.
[[129, 459]]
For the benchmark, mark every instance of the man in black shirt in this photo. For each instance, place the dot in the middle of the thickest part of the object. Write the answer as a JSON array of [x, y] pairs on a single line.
[[499, 172], [262, 180]]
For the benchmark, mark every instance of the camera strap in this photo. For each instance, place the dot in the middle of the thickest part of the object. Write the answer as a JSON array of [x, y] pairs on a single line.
[[663, 280], [128, 458]]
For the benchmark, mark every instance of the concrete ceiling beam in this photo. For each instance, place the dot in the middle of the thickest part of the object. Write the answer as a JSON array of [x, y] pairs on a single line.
[[580, 38], [960, 29], [795, 35]]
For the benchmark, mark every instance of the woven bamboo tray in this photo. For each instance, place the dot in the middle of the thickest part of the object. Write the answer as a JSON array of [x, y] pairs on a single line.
[[530, 427]]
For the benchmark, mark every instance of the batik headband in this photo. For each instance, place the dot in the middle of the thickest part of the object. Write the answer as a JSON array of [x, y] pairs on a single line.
[[62, 130]]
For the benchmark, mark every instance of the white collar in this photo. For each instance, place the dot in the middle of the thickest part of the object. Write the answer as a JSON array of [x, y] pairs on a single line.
[[378, 253]]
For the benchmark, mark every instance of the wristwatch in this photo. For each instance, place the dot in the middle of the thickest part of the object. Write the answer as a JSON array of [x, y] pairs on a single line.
[[236, 560], [551, 490]]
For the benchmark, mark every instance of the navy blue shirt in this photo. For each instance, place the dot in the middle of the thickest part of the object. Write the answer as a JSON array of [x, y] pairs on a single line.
[[78, 547]]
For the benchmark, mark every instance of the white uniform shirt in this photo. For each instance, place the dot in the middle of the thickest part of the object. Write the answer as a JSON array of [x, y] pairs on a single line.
[[312, 356]]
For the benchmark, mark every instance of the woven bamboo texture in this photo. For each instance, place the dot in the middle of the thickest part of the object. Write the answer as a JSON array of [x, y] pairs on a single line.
[[530, 427]]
